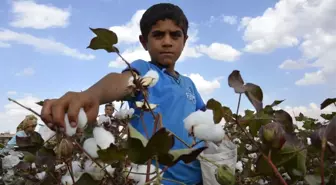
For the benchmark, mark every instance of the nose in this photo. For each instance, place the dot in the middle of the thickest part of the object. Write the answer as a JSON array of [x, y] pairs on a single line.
[[167, 41]]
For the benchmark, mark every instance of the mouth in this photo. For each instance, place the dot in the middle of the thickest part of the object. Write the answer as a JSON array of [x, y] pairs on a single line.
[[166, 53]]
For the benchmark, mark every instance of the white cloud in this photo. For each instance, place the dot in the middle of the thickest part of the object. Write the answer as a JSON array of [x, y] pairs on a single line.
[[42, 44], [312, 110], [4, 45], [130, 54], [230, 19], [205, 87], [11, 93], [303, 23], [29, 14], [129, 32], [13, 114], [313, 78], [26, 72], [218, 51], [291, 64]]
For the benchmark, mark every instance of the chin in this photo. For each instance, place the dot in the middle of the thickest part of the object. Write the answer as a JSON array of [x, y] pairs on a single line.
[[166, 62]]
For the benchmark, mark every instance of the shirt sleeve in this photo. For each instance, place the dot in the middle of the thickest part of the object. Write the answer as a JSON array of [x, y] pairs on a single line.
[[200, 105], [139, 66]]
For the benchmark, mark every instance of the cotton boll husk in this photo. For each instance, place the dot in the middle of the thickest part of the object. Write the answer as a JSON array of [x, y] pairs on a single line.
[[103, 137], [212, 132], [154, 75], [82, 118], [90, 146], [69, 130], [197, 118]]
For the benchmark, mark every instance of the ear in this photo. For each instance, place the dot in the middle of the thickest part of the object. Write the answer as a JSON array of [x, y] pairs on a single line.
[[185, 39], [143, 42]]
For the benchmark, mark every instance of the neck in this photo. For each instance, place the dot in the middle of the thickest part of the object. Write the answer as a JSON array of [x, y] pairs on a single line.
[[169, 69]]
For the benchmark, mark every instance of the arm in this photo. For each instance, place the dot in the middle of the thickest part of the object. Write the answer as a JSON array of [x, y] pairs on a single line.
[[114, 85], [111, 87]]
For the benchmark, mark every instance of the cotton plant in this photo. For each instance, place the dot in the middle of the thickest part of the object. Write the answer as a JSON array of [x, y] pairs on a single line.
[[200, 124], [137, 173], [101, 138]]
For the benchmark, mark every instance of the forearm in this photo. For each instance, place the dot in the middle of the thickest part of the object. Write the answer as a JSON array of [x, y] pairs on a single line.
[[111, 87]]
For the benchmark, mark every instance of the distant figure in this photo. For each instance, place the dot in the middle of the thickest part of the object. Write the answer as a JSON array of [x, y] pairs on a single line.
[[107, 117], [25, 128]]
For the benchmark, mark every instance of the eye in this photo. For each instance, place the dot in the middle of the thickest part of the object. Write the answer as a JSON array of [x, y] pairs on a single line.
[[176, 34]]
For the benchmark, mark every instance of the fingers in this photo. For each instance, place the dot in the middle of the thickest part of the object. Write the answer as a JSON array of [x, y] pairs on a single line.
[[92, 112], [60, 107], [73, 111], [46, 115]]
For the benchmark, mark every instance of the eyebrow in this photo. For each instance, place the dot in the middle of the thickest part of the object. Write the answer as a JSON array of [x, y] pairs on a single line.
[[158, 32]]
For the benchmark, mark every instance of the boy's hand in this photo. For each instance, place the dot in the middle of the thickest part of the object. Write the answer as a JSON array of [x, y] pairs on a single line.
[[54, 110]]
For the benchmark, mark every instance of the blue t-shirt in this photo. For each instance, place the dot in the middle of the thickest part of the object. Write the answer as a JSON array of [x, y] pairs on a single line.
[[176, 99]]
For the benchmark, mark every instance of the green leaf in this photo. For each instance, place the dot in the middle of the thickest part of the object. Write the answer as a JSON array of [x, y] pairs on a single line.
[[227, 114], [255, 95], [236, 82], [40, 103], [161, 142], [295, 153], [216, 108], [86, 179], [134, 134], [276, 102], [328, 116], [186, 155], [106, 39], [106, 35], [29, 157], [327, 102], [97, 43], [301, 117], [285, 119], [112, 154]]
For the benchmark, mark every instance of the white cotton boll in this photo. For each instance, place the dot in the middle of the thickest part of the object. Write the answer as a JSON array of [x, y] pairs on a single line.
[[46, 133], [197, 118], [239, 166], [82, 118], [212, 132], [131, 81], [154, 75], [94, 170], [124, 113], [76, 167], [103, 137], [110, 170], [10, 161], [40, 175], [90, 146], [103, 119], [69, 130], [141, 178], [66, 180]]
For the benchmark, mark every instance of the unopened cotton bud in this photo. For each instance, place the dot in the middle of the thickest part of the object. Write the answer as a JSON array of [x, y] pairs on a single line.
[[224, 175], [65, 148], [90, 146], [103, 137]]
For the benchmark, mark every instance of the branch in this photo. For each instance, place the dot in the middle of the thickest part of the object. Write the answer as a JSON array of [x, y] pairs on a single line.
[[31, 110]]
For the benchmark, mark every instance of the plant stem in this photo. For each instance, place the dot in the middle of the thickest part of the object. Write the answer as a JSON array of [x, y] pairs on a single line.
[[268, 159], [324, 142], [31, 110], [210, 161]]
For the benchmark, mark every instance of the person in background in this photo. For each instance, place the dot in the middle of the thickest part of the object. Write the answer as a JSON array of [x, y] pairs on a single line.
[[107, 117], [26, 127]]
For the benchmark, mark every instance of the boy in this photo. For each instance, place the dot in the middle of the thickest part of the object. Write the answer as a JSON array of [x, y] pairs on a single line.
[[163, 34]]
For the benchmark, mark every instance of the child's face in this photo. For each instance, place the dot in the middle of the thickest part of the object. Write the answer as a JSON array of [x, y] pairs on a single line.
[[165, 43]]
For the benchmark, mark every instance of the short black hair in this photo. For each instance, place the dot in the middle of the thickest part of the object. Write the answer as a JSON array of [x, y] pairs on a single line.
[[109, 105], [163, 11]]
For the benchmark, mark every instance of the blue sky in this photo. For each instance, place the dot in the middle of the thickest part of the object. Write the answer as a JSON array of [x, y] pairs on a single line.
[[284, 46]]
